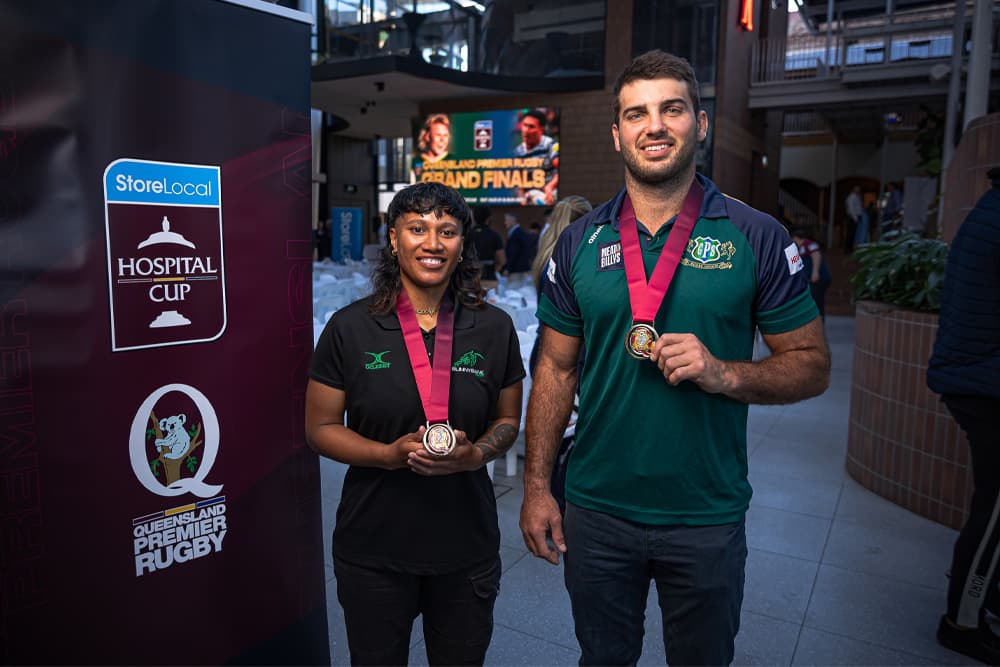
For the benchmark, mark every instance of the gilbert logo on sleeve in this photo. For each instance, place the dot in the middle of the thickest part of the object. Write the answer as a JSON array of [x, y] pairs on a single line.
[[166, 273]]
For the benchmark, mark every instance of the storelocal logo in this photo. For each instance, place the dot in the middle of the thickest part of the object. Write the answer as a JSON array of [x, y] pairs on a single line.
[[148, 182], [128, 183]]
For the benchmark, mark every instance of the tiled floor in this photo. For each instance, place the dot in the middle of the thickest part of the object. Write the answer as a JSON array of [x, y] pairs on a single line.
[[836, 575]]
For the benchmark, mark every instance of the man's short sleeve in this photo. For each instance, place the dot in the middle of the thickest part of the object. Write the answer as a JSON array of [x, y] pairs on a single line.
[[783, 299]]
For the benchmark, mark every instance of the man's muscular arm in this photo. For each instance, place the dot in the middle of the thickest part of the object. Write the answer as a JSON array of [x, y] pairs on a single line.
[[798, 368], [549, 409]]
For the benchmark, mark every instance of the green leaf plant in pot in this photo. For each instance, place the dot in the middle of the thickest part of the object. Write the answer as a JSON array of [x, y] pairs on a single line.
[[902, 269]]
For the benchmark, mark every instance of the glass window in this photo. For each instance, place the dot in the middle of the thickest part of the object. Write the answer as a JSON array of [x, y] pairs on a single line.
[[687, 28]]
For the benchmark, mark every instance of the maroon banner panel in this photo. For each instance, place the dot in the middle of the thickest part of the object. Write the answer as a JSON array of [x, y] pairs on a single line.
[[158, 504]]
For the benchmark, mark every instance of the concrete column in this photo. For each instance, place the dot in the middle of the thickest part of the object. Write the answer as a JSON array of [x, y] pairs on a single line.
[[833, 195], [829, 36], [978, 84], [954, 87]]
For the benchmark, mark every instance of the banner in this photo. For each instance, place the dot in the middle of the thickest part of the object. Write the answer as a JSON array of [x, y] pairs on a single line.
[[497, 157], [159, 504], [345, 234]]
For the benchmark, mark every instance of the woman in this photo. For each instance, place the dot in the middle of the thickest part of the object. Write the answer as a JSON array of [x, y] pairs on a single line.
[[566, 211], [417, 528]]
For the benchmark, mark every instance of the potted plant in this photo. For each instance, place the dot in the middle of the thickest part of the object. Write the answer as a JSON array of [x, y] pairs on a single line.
[[902, 443], [901, 269]]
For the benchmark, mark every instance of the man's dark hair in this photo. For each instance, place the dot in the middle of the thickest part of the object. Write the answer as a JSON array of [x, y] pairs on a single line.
[[441, 200], [994, 176], [537, 115], [657, 64], [481, 214]]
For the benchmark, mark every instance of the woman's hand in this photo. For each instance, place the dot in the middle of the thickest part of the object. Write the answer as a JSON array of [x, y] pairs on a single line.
[[463, 458], [404, 447]]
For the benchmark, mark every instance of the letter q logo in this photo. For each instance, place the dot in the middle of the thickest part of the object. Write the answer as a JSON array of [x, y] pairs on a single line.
[[174, 441]]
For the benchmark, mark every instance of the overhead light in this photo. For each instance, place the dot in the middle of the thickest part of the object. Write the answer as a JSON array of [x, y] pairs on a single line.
[[472, 4]]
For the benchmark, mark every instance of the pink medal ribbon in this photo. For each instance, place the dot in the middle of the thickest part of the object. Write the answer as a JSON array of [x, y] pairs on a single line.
[[434, 386], [644, 298]]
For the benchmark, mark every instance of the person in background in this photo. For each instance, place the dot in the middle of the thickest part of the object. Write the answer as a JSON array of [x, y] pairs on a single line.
[[417, 530], [568, 210], [893, 202], [964, 368], [321, 238], [519, 247], [657, 484], [814, 266], [854, 209], [488, 244]]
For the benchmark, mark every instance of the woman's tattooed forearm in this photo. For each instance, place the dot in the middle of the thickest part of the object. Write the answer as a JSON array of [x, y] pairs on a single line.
[[496, 442]]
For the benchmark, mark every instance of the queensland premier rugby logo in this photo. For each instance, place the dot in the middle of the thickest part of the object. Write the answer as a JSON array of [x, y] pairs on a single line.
[[173, 443], [165, 261]]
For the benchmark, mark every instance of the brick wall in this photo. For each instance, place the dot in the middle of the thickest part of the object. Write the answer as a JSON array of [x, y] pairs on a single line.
[[965, 179], [902, 443]]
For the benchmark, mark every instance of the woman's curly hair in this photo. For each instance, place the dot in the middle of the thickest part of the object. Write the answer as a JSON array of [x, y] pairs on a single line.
[[441, 200]]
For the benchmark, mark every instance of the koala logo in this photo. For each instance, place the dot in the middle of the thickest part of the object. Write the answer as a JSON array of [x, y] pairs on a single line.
[[175, 438], [184, 457]]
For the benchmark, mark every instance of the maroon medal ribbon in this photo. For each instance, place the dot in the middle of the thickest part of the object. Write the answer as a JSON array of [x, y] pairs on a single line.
[[646, 298], [433, 384]]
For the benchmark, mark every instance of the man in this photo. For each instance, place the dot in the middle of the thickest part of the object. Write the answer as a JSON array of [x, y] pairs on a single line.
[[854, 208], [964, 369], [893, 202], [535, 143], [520, 247], [657, 484], [489, 245]]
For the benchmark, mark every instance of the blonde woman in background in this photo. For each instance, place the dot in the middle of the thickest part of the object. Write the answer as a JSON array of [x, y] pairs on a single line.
[[566, 211]]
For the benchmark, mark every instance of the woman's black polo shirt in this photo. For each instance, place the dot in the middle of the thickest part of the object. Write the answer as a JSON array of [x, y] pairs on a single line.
[[396, 519]]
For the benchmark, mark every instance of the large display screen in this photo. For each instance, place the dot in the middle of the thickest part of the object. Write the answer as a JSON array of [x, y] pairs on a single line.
[[506, 157]]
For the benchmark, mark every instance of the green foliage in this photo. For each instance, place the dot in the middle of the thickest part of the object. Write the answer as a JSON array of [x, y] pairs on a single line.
[[903, 269], [929, 140], [192, 463], [154, 465]]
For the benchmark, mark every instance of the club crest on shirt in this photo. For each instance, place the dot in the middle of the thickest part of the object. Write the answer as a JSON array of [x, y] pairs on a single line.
[[704, 252], [609, 256], [377, 361], [467, 364]]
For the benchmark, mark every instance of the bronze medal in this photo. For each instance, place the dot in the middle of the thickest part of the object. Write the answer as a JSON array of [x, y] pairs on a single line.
[[439, 439], [640, 339]]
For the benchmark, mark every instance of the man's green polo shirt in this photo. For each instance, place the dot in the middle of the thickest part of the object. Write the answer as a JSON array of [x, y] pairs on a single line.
[[645, 450]]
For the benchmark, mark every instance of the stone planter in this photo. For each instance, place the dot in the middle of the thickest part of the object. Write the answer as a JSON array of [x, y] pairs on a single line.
[[902, 443]]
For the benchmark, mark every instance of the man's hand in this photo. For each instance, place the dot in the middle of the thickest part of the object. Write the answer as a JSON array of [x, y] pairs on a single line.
[[540, 519], [681, 356]]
